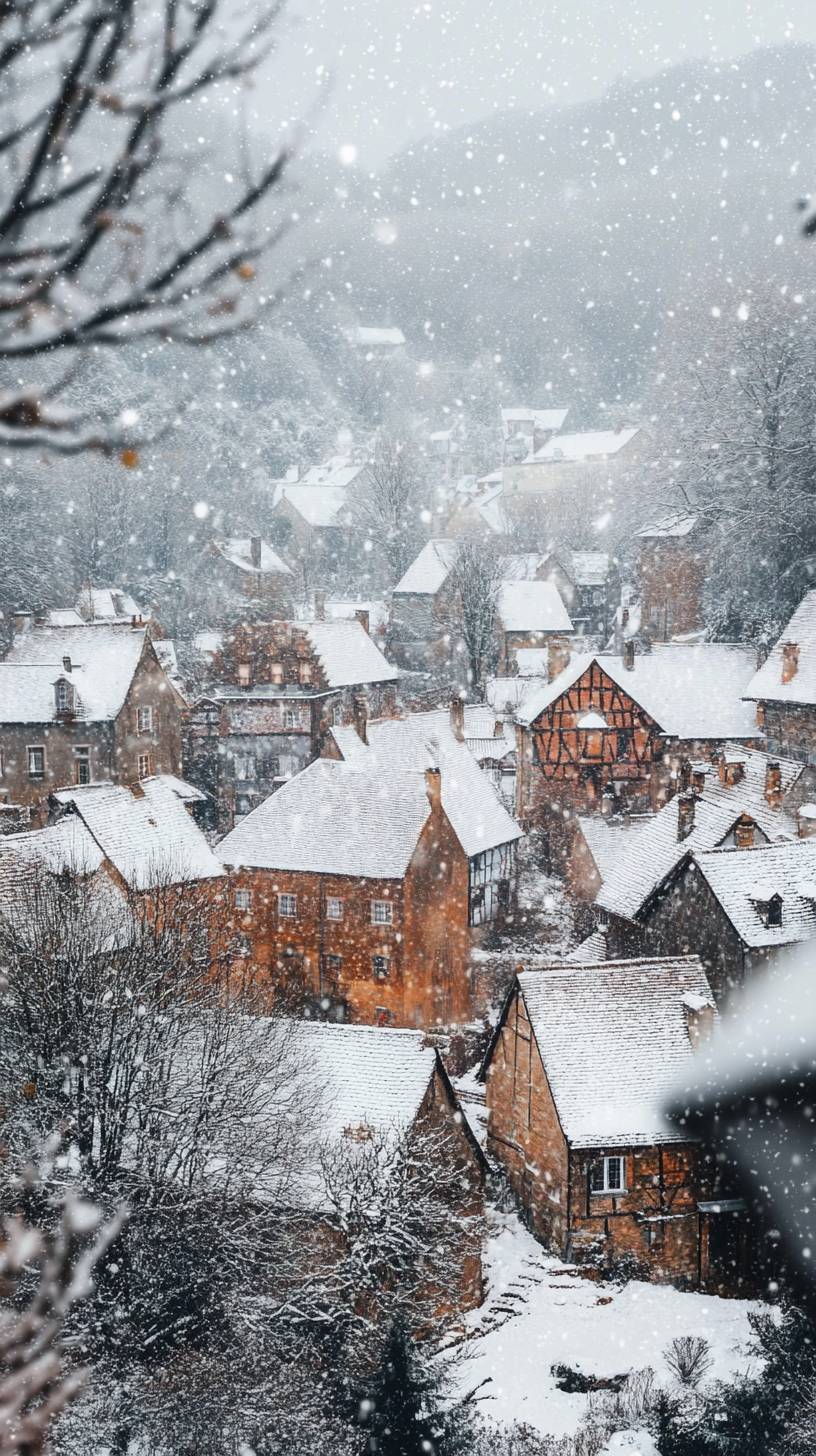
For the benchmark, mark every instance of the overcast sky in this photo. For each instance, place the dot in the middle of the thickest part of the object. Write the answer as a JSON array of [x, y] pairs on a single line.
[[402, 68]]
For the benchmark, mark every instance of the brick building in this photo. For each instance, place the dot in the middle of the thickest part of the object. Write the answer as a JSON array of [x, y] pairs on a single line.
[[531, 615], [619, 726], [361, 888], [377, 1083], [784, 688], [579, 1068], [672, 577], [275, 689], [84, 703]]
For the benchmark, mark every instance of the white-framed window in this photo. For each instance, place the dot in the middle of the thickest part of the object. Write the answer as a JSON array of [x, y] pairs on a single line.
[[334, 908], [65, 696], [243, 674], [305, 672], [145, 766], [382, 912], [608, 1175], [82, 765], [290, 718], [144, 719], [380, 967], [243, 899], [244, 767], [287, 906], [36, 763]]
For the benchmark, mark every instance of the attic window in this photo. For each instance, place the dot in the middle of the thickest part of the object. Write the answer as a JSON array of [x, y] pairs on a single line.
[[768, 902], [65, 696]]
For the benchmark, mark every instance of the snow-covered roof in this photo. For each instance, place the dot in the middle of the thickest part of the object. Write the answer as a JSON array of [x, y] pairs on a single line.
[[429, 570], [364, 817], [641, 856], [478, 818], [146, 833], [62, 617], [367, 336], [106, 604], [103, 656], [523, 566], [532, 606], [237, 550], [607, 840], [370, 1076], [541, 419], [348, 654], [692, 690], [63, 848], [338, 470], [741, 878], [630, 1020], [767, 682], [346, 611], [319, 505], [589, 568], [589, 445], [670, 526], [490, 508], [532, 661], [590, 951]]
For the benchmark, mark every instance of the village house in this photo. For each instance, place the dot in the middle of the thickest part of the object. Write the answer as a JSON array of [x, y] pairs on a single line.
[[36, 862], [577, 1075], [619, 726], [421, 606], [784, 688], [311, 514], [107, 604], [379, 1083], [737, 908], [233, 573], [275, 689], [526, 430], [530, 615], [588, 583], [672, 576], [362, 886], [569, 460], [80, 704]]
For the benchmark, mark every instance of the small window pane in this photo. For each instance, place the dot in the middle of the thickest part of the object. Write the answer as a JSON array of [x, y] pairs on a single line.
[[287, 905], [334, 908]]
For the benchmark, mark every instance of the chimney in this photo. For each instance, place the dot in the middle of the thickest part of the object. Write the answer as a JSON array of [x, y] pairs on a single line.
[[806, 821], [320, 606], [732, 770], [66, 662], [558, 657], [364, 619], [773, 783], [433, 788], [22, 622], [698, 781], [699, 1015], [744, 832], [255, 552], [457, 718], [790, 661], [629, 654], [608, 804], [685, 815], [361, 717], [498, 728], [684, 776]]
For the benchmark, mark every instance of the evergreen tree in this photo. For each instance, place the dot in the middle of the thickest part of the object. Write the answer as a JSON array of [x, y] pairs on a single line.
[[406, 1413]]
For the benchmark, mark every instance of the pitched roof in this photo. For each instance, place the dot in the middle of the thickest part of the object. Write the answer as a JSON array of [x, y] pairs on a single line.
[[635, 860], [348, 654], [742, 878], [149, 837], [429, 570], [318, 505], [532, 606], [374, 1077], [106, 604], [542, 419], [338, 470], [767, 681], [104, 657], [237, 550], [477, 815], [26, 860], [364, 817], [589, 445], [692, 690], [632, 1017], [670, 526]]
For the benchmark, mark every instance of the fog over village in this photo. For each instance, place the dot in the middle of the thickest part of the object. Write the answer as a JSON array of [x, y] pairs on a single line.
[[407, 728]]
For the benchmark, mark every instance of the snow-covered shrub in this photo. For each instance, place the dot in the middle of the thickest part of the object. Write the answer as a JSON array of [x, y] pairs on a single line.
[[689, 1359]]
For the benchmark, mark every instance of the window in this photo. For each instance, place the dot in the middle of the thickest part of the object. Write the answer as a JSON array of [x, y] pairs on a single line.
[[337, 715], [330, 968], [608, 1176], [243, 899], [145, 767], [287, 906], [244, 766], [36, 763], [241, 946], [382, 1016], [82, 765], [381, 967], [276, 673], [290, 718], [243, 674], [144, 720], [334, 908], [65, 696], [305, 672], [382, 912]]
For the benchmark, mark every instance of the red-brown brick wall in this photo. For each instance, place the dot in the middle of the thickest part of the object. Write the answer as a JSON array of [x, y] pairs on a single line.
[[672, 575]]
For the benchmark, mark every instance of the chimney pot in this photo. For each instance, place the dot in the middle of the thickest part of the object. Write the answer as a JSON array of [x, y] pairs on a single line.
[[744, 832], [773, 784], [457, 718], [790, 661], [498, 728], [255, 551], [806, 821], [699, 1019], [66, 662], [363, 617], [685, 815], [629, 654], [22, 622]]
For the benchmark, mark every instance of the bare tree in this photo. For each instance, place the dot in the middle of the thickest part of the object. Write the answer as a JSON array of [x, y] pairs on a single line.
[[106, 234], [474, 585], [388, 506]]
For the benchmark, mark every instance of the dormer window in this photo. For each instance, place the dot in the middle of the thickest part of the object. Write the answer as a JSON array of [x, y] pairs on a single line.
[[65, 696], [768, 902]]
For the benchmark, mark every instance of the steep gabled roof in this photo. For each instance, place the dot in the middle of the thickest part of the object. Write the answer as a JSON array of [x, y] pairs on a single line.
[[429, 570], [767, 682], [104, 657], [675, 526], [66, 848], [742, 880], [321, 506], [613, 1039], [237, 550], [348, 655], [640, 856], [147, 835], [106, 604], [532, 606], [374, 1077]]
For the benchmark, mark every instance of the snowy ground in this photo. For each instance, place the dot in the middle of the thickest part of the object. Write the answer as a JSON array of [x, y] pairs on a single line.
[[539, 1313]]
